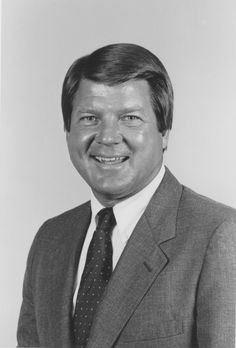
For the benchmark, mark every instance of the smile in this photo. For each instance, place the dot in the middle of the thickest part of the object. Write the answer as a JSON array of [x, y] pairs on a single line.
[[110, 160]]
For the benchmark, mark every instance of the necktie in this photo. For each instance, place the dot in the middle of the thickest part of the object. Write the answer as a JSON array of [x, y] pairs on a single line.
[[96, 274]]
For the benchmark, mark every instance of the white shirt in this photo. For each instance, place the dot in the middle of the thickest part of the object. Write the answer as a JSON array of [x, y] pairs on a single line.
[[127, 214]]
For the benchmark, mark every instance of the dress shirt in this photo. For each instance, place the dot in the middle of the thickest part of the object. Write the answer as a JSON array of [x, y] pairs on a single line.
[[127, 214]]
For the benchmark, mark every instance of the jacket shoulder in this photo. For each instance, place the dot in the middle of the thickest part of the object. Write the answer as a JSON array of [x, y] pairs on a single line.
[[69, 214], [203, 209], [62, 225]]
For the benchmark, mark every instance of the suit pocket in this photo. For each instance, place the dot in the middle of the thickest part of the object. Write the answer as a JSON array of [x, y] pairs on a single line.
[[150, 331]]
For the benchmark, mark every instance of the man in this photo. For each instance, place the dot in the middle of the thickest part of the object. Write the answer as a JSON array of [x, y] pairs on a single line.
[[159, 270]]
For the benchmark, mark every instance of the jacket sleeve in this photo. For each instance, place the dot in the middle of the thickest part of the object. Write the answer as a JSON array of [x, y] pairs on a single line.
[[27, 335], [216, 291]]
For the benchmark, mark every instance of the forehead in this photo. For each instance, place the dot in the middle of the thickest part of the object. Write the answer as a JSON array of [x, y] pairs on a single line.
[[132, 93]]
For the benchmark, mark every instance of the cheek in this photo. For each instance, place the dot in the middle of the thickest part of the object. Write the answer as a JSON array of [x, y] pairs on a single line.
[[78, 143], [148, 149], [74, 152], [72, 144], [147, 141], [137, 139]]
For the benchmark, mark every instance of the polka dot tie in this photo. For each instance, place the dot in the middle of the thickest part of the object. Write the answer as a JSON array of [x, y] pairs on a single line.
[[96, 275]]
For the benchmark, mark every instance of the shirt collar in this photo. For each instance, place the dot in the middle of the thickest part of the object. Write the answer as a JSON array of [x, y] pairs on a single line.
[[128, 212]]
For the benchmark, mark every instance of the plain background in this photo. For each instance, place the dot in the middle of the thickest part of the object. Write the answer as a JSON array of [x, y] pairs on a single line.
[[40, 38]]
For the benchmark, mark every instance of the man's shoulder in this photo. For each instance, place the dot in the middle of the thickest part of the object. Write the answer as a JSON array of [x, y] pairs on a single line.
[[71, 214], [64, 224], [191, 204], [198, 206]]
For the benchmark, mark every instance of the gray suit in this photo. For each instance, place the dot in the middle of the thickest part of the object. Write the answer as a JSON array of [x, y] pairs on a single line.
[[174, 285]]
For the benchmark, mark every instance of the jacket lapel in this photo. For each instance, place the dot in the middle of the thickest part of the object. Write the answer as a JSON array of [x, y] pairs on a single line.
[[140, 264], [65, 260]]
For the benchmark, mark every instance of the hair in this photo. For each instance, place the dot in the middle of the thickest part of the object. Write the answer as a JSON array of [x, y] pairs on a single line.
[[115, 64]]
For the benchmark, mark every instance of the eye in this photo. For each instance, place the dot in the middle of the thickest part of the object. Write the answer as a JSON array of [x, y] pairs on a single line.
[[130, 117], [88, 120], [131, 120]]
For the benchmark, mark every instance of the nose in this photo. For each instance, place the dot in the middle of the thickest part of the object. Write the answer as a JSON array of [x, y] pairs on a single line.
[[109, 132]]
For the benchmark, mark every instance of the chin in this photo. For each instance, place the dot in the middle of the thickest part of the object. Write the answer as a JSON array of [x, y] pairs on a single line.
[[108, 191], [111, 191]]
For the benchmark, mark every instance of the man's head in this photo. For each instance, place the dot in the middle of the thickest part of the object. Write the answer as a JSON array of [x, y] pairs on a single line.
[[118, 63], [117, 106]]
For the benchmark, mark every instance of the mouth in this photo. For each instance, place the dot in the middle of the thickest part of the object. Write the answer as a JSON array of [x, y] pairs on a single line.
[[111, 160]]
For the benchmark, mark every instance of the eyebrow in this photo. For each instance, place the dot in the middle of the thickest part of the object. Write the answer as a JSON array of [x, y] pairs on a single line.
[[133, 108], [85, 109]]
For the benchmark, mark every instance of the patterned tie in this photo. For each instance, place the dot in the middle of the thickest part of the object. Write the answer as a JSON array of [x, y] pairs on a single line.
[[96, 274]]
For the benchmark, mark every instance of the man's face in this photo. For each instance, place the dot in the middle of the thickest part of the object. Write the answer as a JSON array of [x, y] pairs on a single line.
[[114, 142]]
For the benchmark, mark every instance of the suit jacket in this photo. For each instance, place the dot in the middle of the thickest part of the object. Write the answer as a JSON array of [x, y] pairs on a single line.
[[174, 284]]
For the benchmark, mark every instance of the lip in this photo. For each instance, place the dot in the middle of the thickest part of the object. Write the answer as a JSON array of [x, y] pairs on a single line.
[[111, 160]]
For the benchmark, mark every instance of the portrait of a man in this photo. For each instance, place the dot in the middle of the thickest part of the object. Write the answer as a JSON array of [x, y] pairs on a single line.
[[146, 262]]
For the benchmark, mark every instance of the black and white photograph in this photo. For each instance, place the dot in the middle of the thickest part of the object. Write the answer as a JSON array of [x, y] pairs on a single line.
[[118, 174]]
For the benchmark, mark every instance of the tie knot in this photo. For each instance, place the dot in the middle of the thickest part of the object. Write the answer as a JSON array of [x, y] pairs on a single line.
[[106, 219]]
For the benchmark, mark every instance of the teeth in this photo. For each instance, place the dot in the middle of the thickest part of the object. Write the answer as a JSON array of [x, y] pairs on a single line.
[[109, 159]]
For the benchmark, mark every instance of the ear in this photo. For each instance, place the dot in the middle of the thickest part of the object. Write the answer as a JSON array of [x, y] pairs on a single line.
[[165, 137]]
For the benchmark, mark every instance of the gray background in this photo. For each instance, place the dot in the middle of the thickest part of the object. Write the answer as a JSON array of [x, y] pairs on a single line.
[[40, 39]]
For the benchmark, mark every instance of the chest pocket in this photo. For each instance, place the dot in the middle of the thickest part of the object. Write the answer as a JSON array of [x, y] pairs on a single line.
[[149, 329]]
